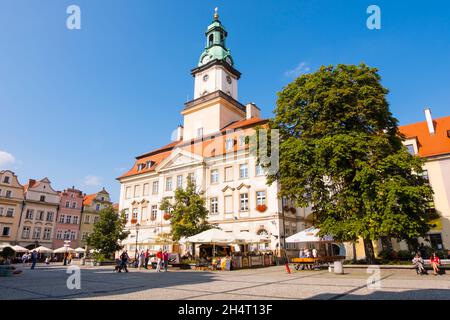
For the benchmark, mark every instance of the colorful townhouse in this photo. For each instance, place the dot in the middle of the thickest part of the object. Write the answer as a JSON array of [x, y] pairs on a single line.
[[92, 205], [11, 201], [68, 220], [37, 221], [430, 140]]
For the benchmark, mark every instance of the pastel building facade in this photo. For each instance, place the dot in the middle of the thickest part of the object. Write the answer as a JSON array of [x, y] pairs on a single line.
[[11, 201], [430, 140], [92, 205], [67, 227], [37, 221]]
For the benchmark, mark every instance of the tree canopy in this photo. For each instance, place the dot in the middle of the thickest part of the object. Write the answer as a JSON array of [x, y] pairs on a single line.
[[108, 231], [341, 153], [188, 214]]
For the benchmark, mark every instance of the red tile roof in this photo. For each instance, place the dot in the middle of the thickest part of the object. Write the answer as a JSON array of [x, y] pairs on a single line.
[[210, 146], [430, 145], [87, 201]]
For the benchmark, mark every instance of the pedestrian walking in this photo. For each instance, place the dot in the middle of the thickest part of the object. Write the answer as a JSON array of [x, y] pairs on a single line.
[[146, 257], [166, 260], [124, 259], [141, 259], [159, 257], [25, 259], [34, 257], [65, 258], [69, 258]]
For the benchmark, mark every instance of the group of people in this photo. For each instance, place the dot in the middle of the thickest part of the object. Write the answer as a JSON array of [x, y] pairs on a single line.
[[143, 258], [306, 253], [30, 257], [419, 263]]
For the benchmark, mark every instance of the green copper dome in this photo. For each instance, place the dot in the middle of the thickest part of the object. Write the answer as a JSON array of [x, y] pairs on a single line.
[[215, 44]]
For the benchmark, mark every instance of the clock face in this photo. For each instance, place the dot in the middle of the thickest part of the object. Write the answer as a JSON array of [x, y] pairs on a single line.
[[205, 77], [206, 59], [229, 79]]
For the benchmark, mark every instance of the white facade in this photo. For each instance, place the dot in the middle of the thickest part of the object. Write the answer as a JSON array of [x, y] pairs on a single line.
[[213, 79]]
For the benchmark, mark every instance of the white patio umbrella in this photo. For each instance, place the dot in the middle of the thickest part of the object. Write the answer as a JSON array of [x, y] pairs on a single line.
[[212, 236], [43, 249], [5, 245], [63, 250], [308, 235], [80, 250], [247, 237], [18, 248]]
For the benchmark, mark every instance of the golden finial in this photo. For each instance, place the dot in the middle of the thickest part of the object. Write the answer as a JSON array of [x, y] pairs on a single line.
[[216, 13]]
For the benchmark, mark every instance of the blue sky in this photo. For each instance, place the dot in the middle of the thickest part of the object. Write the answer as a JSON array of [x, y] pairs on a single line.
[[78, 105]]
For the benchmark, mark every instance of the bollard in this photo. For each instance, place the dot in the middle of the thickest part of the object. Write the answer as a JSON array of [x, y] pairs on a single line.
[[338, 267]]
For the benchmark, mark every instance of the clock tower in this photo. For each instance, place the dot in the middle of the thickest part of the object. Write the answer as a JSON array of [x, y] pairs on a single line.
[[215, 69], [215, 103]]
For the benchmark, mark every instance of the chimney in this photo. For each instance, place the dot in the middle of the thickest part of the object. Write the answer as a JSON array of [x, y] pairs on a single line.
[[430, 123], [252, 111], [180, 133]]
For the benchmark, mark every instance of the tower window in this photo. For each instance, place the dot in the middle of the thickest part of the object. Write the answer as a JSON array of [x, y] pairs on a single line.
[[211, 40]]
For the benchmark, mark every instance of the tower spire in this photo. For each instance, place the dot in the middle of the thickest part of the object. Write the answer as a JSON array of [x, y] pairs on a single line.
[[216, 13]]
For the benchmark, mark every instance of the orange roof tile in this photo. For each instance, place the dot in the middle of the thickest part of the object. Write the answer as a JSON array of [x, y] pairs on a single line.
[[210, 146], [429, 145], [87, 201]]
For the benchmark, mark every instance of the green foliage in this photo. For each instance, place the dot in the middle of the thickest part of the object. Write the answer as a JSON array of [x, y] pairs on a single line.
[[108, 231], [188, 213], [341, 152]]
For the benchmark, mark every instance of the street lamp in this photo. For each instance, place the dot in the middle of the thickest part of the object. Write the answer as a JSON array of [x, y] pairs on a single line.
[[137, 235]]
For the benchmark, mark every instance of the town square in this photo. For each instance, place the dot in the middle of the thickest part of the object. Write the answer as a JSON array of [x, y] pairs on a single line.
[[177, 151]]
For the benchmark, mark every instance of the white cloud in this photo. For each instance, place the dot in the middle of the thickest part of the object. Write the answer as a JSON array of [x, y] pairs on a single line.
[[92, 181], [6, 159], [302, 68]]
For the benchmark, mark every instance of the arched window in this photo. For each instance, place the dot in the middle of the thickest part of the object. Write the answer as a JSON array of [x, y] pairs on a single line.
[[262, 232], [211, 40]]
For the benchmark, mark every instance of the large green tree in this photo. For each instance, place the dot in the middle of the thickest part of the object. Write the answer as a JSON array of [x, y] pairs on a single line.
[[341, 152], [188, 214], [108, 231]]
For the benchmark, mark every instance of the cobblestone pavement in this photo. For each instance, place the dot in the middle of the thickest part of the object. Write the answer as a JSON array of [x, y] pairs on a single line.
[[256, 284]]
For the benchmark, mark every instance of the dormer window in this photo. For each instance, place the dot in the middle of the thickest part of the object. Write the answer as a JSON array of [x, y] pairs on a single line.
[[410, 148], [42, 199], [149, 164], [6, 180], [140, 166]]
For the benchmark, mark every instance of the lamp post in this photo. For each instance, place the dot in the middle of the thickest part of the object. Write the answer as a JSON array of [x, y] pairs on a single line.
[[137, 235]]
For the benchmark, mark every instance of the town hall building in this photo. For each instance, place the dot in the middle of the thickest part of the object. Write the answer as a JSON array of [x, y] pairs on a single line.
[[212, 149]]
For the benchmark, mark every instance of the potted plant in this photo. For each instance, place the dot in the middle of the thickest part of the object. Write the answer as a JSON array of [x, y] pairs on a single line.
[[261, 207], [166, 216], [133, 221], [293, 210], [99, 258], [286, 208]]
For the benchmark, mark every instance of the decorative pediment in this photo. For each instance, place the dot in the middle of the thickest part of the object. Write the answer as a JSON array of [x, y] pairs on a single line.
[[179, 158], [226, 188], [243, 185]]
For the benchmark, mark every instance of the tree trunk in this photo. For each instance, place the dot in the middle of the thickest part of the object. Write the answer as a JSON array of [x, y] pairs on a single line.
[[386, 243], [354, 252], [370, 254]]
